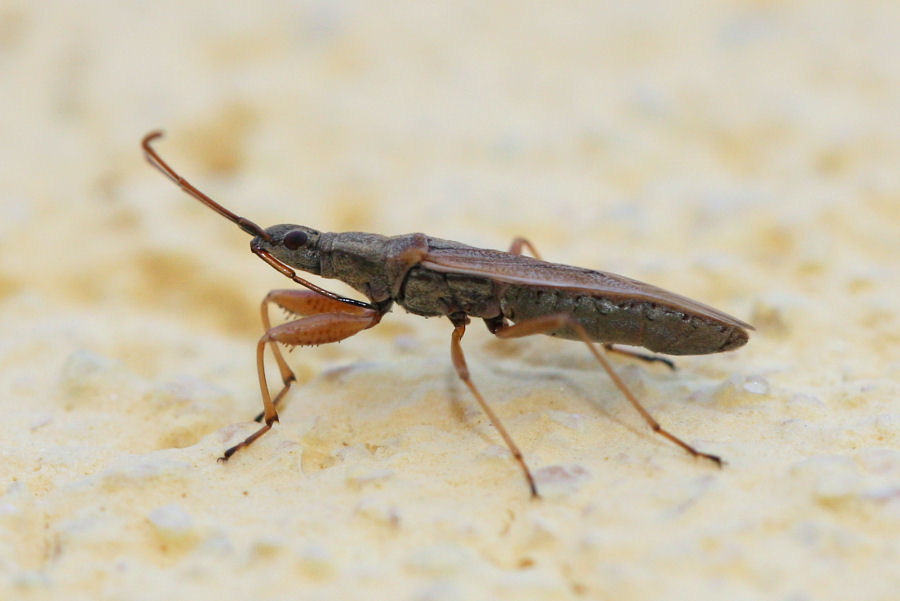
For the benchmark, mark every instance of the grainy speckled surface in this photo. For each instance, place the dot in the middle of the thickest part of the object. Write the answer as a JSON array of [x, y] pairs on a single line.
[[744, 154]]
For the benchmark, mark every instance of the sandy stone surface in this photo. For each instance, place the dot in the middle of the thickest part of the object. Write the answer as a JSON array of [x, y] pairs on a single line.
[[744, 154]]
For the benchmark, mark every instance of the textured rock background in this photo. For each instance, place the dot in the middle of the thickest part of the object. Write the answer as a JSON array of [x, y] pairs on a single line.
[[744, 154]]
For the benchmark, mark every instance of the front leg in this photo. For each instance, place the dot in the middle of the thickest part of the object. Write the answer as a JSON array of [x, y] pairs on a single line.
[[335, 321], [299, 303]]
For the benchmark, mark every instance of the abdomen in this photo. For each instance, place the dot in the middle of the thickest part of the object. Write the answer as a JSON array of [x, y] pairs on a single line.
[[656, 327]]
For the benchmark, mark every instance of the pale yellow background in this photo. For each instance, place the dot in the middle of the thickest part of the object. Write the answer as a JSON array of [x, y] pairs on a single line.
[[744, 154]]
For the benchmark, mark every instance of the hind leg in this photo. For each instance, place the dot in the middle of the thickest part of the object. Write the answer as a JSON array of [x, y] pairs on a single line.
[[551, 323]]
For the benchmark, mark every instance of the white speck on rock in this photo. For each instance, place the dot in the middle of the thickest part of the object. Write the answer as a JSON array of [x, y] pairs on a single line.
[[740, 389], [806, 400], [172, 523], [756, 385]]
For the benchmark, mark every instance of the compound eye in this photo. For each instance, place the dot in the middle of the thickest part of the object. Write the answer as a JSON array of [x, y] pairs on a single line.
[[294, 239]]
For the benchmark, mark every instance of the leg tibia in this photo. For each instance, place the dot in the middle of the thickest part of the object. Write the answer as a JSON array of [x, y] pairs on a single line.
[[553, 322]]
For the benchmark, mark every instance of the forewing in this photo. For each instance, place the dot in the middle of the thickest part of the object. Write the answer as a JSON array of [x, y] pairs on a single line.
[[526, 271]]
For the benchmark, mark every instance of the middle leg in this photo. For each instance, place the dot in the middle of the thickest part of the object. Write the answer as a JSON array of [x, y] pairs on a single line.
[[519, 242], [462, 370], [636, 355]]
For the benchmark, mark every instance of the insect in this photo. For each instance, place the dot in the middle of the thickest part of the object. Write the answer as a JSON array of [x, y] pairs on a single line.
[[514, 294]]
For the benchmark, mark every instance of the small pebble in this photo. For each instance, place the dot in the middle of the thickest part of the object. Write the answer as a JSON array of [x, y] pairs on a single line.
[[756, 385], [173, 524]]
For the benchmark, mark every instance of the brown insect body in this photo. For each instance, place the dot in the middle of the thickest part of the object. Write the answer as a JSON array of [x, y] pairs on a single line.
[[515, 295], [433, 277]]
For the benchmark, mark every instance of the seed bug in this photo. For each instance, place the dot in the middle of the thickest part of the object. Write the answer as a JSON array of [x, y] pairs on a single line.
[[514, 294]]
